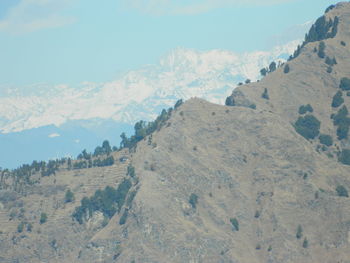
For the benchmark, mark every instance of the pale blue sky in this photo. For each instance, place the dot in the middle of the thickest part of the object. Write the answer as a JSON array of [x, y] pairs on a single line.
[[71, 41]]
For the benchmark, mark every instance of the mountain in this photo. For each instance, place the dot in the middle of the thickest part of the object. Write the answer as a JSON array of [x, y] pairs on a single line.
[[263, 178], [26, 115]]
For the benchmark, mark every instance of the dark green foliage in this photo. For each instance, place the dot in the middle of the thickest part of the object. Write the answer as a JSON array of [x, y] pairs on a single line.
[[123, 218], [337, 99], [341, 191], [286, 69], [178, 104], [348, 93], [130, 198], [20, 227], [234, 223], [108, 161], [272, 67], [104, 149], [329, 8], [43, 218], [305, 243], [143, 129], [252, 106], [84, 155], [308, 126], [257, 214], [270, 248], [342, 131], [107, 201], [263, 72], [299, 233], [344, 156], [330, 61], [29, 227], [80, 165], [265, 94], [322, 29], [345, 84], [305, 108], [131, 170], [343, 43], [342, 121], [193, 200], [329, 69], [247, 81], [69, 196], [230, 101], [326, 139], [321, 49]]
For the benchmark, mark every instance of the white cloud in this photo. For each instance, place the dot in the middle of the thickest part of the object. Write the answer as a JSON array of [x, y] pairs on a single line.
[[54, 135], [188, 7], [32, 15]]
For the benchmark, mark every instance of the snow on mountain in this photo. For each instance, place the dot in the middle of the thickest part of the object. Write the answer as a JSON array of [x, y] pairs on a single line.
[[139, 94]]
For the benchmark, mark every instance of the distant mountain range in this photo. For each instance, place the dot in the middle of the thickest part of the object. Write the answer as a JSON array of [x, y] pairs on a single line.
[[139, 94]]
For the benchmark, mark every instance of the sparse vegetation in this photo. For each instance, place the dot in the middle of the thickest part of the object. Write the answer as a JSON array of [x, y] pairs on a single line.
[[308, 126], [344, 157], [326, 139], [345, 84], [193, 200], [265, 94], [299, 233], [69, 196], [286, 69], [234, 223], [305, 108], [337, 99], [107, 201], [321, 49], [305, 243], [124, 217], [43, 218], [341, 191]]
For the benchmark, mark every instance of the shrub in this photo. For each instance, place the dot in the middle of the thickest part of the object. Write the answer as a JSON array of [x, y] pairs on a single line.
[[20, 227], [178, 104], [321, 48], [123, 218], [43, 218], [265, 94], [329, 70], [305, 243], [131, 170], [345, 84], [230, 101], [341, 191], [193, 200], [344, 157], [29, 227], [247, 81], [286, 69], [263, 72], [305, 108], [326, 139], [234, 223], [343, 43], [299, 233], [252, 106], [257, 214], [69, 196], [337, 99], [342, 131], [330, 61], [341, 116], [308, 126], [272, 67]]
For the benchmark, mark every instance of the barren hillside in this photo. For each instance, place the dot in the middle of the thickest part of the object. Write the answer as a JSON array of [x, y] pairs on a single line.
[[261, 179]]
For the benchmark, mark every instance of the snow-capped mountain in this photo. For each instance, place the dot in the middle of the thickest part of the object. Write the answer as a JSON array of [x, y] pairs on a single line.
[[139, 94]]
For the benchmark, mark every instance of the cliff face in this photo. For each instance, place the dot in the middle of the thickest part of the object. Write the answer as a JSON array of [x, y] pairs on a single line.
[[216, 183]]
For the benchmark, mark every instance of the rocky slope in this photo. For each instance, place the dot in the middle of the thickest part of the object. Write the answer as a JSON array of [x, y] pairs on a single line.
[[215, 183]]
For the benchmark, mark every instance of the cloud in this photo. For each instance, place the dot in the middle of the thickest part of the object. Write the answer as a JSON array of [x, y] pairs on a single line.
[[54, 135], [190, 7], [33, 15]]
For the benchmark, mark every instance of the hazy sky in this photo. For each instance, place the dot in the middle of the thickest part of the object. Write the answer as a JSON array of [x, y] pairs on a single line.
[[71, 41]]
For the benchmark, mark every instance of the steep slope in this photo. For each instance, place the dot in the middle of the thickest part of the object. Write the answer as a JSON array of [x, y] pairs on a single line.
[[215, 183]]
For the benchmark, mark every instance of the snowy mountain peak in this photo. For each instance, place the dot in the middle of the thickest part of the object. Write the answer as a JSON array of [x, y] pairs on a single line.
[[139, 94]]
